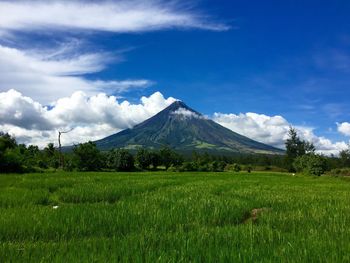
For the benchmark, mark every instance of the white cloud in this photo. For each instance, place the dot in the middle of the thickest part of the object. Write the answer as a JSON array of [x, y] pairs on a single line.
[[80, 109], [322, 144], [185, 113], [22, 111], [273, 130], [96, 116], [46, 76], [56, 72], [49, 74], [113, 16], [92, 117], [344, 128], [266, 129]]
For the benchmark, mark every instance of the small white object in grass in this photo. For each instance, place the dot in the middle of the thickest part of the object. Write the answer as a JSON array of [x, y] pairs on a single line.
[[293, 174], [55, 207]]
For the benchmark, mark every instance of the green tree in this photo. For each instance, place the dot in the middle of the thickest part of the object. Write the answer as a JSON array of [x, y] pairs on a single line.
[[87, 157], [51, 155], [176, 159], [143, 158], [155, 159], [216, 166], [10, 156], [169, 157], [7, 142], [344, 157], [120, 160], [32, 157], [296, 147], [166, 156]]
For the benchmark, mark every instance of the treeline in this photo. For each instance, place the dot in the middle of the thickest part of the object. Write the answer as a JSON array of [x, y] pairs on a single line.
[[86, 157], [300, 157], [17, 158]]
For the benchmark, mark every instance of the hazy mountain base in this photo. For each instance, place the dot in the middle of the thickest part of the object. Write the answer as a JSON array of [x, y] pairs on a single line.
[[173, 217]]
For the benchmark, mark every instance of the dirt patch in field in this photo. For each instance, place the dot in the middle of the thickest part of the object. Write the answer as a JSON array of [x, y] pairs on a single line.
[[254, 214]]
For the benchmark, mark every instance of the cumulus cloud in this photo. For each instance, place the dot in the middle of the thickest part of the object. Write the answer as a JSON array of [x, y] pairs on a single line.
[[344, 128], [266, 129], [91, 117], [47, 76], [112, 16], [185, 113], [273, 130], [22, 111]]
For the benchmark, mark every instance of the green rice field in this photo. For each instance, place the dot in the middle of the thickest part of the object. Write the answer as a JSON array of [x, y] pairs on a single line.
[[174, 217]]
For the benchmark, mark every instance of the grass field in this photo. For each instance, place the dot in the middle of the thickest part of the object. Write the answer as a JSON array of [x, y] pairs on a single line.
[[174, 217]]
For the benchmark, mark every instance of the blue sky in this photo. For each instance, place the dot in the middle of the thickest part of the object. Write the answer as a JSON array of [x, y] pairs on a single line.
[[290, 59], [270, 58]]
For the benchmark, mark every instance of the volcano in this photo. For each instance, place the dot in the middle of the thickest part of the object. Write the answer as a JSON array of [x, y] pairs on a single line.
[[184, 130]]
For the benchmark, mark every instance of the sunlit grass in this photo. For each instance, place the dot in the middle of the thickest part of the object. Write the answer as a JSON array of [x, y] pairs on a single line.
[[173, 217]]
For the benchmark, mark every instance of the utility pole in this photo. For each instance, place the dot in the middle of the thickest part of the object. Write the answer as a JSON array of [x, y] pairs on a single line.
[[60, 146]]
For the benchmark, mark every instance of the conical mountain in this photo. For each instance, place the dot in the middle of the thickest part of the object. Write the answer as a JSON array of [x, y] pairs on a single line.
[[185, 130]]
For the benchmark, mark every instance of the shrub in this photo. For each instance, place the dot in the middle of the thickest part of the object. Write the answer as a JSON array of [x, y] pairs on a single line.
[[237, 168], [213, 166], [340, 172], [11, 161], [311, 164], [173, 168], [233, 167], [221, 166], [249, 168], [188, 167], [203, 168]]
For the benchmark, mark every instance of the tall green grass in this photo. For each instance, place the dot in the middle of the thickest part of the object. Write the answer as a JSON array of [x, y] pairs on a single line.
[[173, 217]]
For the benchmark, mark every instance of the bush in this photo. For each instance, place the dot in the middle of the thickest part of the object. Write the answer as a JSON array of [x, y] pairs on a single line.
[[340, 172], [188, 167], [11, 161], [237, 168], [311, 164], [219, 166], [203, 168], [233, 167], [216, 166], [173, 168], [249, 168]]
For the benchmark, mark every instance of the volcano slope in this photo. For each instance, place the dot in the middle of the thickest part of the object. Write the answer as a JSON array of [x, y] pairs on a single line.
[[184, 130]]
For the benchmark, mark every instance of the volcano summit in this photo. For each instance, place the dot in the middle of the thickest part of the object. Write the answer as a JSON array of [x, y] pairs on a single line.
[[185, 130]]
